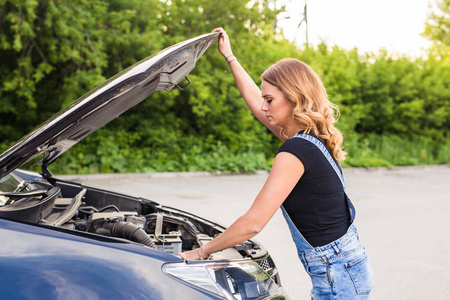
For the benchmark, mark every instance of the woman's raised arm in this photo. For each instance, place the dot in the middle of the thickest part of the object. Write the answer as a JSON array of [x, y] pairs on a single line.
[[247, 87]]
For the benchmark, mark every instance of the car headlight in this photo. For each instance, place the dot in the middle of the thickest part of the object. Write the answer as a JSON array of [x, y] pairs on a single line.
[[242, 280]]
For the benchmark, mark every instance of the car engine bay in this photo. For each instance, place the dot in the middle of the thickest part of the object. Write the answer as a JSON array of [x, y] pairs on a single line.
[[73, 206]]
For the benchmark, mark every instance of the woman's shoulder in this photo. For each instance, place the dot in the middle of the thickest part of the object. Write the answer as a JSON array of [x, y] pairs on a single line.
[[304, 150], [294, 142], [298, 143]]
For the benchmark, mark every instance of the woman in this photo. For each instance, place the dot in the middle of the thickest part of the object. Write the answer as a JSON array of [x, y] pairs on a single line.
[[305, 180]]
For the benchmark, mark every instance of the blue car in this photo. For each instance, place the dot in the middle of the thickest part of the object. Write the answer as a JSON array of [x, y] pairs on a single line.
[[65, 240]]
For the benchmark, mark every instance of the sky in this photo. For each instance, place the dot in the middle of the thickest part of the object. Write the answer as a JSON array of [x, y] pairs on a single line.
[[369, 25]]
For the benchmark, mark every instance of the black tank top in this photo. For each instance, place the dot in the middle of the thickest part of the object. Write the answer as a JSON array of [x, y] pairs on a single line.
[[317, 205]]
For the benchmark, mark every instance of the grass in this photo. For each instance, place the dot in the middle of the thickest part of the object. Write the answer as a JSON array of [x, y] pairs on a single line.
[[388, 151], [363, 151]]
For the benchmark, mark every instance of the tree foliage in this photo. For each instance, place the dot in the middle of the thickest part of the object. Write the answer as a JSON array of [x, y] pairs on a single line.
[[437, 28], [52, 52]]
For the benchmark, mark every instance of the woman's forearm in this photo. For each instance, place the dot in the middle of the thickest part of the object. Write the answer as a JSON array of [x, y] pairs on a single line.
[[247, 87], [241, 230], [251, 94]]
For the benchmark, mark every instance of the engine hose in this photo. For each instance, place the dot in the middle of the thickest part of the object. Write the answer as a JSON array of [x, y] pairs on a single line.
[[129, 231]]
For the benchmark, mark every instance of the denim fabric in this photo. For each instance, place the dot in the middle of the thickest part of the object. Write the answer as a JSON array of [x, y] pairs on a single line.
[[340, 269]]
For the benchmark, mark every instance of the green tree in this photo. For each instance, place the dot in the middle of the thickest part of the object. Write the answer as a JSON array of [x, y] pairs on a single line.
[[52, 52], [437, 28]]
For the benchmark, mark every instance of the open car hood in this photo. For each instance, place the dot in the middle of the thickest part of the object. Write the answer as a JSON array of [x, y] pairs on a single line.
[[159, 72]]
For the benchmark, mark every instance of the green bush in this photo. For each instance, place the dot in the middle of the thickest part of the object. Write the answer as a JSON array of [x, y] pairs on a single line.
[[395, 110]]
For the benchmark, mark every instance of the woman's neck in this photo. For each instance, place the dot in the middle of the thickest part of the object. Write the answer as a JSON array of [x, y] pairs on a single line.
[[292, 130]]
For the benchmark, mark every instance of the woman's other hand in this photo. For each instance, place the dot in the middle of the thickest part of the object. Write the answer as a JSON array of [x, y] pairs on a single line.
[[191, 255], [224, 43]]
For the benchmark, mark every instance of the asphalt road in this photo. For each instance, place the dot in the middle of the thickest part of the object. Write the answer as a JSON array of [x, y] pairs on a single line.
[[402, 219]]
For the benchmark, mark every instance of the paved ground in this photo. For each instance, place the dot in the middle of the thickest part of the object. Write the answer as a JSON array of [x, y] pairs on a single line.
[[402, 218]]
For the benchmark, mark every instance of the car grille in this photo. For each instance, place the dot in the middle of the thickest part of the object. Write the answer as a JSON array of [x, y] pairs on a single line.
[[264, 264], [268, 266]]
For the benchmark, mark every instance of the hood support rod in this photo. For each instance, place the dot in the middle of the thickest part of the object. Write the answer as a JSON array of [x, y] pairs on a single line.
[[45, 172]]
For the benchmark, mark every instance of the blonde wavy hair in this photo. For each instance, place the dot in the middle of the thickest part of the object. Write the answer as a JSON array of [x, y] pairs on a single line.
[[311, 108]]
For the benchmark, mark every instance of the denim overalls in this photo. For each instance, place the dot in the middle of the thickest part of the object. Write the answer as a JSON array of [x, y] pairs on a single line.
[[340, 269]]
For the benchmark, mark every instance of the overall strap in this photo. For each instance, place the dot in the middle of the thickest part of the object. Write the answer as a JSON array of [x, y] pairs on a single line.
[[325, 152], [336, 168]]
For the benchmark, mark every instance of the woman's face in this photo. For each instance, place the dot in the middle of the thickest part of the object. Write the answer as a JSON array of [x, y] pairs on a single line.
[[275, 106]]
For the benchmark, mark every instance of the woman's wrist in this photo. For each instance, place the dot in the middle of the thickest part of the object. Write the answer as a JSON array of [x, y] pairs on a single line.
[[200, 253], [203, 252], [230, 58]]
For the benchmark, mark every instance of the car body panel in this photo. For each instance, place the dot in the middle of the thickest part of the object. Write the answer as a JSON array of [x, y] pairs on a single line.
[[44, 263], [159, 72]]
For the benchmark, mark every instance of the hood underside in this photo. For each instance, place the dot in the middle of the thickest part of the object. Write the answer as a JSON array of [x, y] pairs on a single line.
[[159, 72]]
